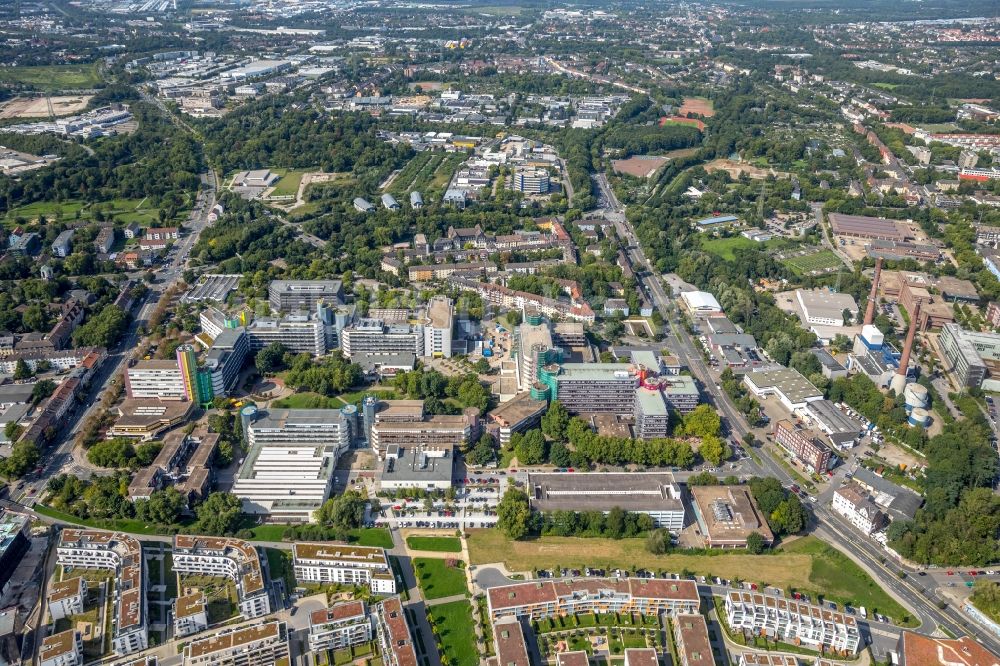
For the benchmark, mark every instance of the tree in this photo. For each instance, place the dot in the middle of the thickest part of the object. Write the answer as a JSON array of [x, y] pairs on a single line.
[[559, 455], [755, 543], [614, 524], [554, 422], [102, 330], [220, 514], [529, 447], [42, 390], [482, 366], [659, 542], [345, 512], [23, 457], [790, 516], [163, 507], [22, 370], [768, 493], [117, 452], [146, 453], [271, 358], [714, 450], [703, 421], [703, 479], [483, 452], [514, 514]]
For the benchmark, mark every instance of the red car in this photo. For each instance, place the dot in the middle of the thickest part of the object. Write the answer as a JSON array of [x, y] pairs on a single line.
[[950, 572], [973, 573], [570, 469]]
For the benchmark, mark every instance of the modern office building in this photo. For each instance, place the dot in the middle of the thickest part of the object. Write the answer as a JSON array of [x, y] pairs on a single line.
[[255, 645], [14, 544], [340, 626], [792, 621], [403, 423], [375, 336], [727, 515], [62, 649], [159, 379], [300, 332], [287, 472], [334, 562], [393, 633], [694, 647], [223, 362], [593, 388], [532, 348], [190, 613], [972, 356], [413, 466], [520, 413], [438, 326], [299, 295], [653, 493], [122, 554], [67, 597], [804, 445], [537, 600], [531, 181], [222, 557]]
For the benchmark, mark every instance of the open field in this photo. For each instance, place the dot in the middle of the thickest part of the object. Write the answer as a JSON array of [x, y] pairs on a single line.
[[307, 400], [822, 261], [289, 183], [52, 77], [681, 120], [725, 248], [435, 544], [736, 168], [806, 565], [697, 105], [39, 107], [427, 85], [456, 628], [640, 166], [121, 210], [437, 579]]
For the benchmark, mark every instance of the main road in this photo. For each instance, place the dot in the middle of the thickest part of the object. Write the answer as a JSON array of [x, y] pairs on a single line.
[[922, 601]]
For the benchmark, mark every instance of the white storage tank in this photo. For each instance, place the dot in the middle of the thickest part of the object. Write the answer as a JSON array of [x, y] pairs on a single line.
[[919, 417], [915, 396]]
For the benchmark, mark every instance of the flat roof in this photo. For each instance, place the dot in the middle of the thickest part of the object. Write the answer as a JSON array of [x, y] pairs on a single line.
[[643, 491], [833, 419], [440, 312], [227, 640], [574, 658], [548, 591], [520, 407], [65, 589], [597, 372], [282, 418], [338, 552], [647, 657], [728, 513], [190, 604], [862, 225], [651, 402], [827, 360], [58, 645], [761, 659], [413, 465], [788, 381], [825, 303], [930, 651], [347, 610]]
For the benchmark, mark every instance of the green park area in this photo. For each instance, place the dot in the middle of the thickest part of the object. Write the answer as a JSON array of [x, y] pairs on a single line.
[[52, 77], [436, 544], [124, 211], [456, 632], [725, 248], [823, 260], [440, 578], [289, 183]]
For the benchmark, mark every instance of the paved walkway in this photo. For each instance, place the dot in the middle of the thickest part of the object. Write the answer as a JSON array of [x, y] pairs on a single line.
[[416, 603]]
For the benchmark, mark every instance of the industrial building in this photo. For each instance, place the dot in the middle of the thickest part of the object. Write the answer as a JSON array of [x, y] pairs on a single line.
[[861, 226], [823, 307], [791, 388], [654, 493], [291, 453], [700, 303]]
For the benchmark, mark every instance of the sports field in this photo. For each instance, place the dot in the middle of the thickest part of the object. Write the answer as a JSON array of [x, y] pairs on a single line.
[[824, 260], [697, 105]]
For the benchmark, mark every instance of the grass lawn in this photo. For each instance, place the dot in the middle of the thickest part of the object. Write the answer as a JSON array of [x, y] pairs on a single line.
[[279, 564], [289, 183], [437, 544], [438, 580], [806, 565], [457, 631], [724, 248], [122, 524], [822, 260], [986, 597], [124, 211], [53, 77], [308, 400], [838, 578], [268, 532], [354, 397], [378, 537]]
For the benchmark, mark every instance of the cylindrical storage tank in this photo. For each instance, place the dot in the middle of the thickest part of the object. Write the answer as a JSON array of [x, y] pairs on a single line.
[[540, 391], [915, 395], [919, 417]]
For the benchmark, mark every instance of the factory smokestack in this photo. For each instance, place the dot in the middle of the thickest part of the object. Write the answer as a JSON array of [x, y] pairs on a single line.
[[899, 379], [870, 311]]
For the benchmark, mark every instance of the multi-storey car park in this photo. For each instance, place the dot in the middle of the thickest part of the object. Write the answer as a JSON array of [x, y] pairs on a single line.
[[343, 563], [234, 559], [122, 554], [340, 626], [792, 621], [541, 599], [255, 645]]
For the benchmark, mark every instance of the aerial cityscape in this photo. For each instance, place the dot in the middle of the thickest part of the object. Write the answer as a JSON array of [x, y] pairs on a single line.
[[522, 333]]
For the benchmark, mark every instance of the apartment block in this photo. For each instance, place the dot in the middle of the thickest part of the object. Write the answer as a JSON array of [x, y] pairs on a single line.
[[509, 642], [340, 626], [852, 502], [122, 554], [541, 599], [394, 637], [291, 455], [66, 597], [297, 295], [190, 614], [642, 657], [803, 444], [256, 645], [62, 649], [234, 559], [343, 563], [793, 622], [691, 637]]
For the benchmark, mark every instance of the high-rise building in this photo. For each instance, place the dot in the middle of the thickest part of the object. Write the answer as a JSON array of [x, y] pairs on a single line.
[[297, 295], [13, 544], [160, 379], [438, 326], [375, 336], [288, 470], [301, 333], [972, 355]]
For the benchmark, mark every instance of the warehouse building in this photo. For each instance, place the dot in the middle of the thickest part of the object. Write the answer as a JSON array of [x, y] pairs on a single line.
[[792, 389], [861, 226]]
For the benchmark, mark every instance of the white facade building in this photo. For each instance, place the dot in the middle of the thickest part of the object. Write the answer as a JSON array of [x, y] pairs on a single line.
[[792, 621], [190, 614], [234, 559], [852, 502], [62, 649], [288, 471], [438, 326], [340, 626], [161, 379], [66, 598], [343, 563]]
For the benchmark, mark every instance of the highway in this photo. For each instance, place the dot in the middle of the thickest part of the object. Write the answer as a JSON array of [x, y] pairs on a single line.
[[922, 601]]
